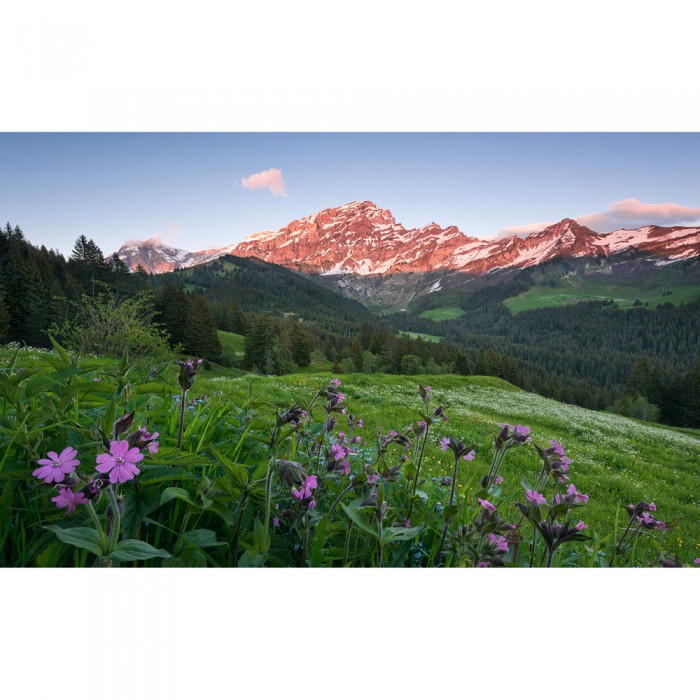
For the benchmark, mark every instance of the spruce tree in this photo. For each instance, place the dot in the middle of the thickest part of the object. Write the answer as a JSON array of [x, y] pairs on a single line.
[[201, 336]]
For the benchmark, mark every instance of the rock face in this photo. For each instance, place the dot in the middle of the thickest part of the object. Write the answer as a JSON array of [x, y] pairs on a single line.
[[361, 239]]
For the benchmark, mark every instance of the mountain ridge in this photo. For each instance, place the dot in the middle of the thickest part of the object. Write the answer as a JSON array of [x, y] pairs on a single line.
[[360, 238]]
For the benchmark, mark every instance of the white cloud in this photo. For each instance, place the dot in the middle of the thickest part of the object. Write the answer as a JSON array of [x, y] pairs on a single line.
[[270, 179], [630, 213], [523, 230]]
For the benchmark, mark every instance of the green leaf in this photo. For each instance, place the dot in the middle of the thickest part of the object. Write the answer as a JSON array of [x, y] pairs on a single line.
[[261, 537], [203, 538], [316, 558], [137, 505], [252, 560], [190, 557], [400, 534], [236, 471], [83, 537], [50, 556], [450, 512], [176, 492], [133, 550], [360, 521]]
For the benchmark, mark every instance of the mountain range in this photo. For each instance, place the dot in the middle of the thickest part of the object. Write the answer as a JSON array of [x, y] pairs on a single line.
[[360, 239]]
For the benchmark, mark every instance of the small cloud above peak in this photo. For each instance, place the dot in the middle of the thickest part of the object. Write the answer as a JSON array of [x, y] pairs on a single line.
[[270, 179], [630, 213]]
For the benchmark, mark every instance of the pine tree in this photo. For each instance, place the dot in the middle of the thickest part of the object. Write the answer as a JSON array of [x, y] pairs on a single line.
[[462, 365], [356, 354], [283, 359], [173, 308], [300, 345], [201, 337], [4, 321]]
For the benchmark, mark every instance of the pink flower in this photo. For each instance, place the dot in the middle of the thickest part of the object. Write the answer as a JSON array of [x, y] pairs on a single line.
[[652, 507], [341, 397], [276, 521], [335, 382], [696, 561], [500, 543], [296, 493], [445, 444], [486, 505], [57, 466], [67, 499], [312, 504], [498, 480], [558, 448], [345, 467], [120, 462], [578, 497], [580, 525], [537, 499], [357, 439], [359, 423], [483, 565], [565, 462], [372, 478], [338, 451], [428, 389], [646, 519], [470, 455]]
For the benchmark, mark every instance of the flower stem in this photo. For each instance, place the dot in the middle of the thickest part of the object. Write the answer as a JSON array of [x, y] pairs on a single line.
[[117, 526], [98, 526], [183, 397], [452, 498], [418, 466]]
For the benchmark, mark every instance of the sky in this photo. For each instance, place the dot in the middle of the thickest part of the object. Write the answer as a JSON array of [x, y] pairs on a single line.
[[202, 190]]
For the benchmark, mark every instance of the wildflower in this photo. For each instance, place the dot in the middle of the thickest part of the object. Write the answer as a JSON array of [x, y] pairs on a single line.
[[67, 499], [578, 497], [359, 423], [337, 451], [580, 525], [188, 370], [558, 448], [498, 480], [500, 543], [487, 505], [120, 462], [276, 521], [445, 444], [291, 472], [341, 397], [483, 564], [428, 389], [537, 499], [57, 466], [652, 507], [372, 478], [696, 561], [469, 456], [357, 439], [312, 504], [345, 467], [310, 483], [335, 382]]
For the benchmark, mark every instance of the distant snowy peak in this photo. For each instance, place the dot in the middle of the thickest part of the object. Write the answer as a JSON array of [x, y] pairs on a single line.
[[360, 238]]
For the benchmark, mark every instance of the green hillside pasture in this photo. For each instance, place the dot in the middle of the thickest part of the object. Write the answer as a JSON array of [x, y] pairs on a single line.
[[422, 336], [616, 460], [447, 314], [578, 289]]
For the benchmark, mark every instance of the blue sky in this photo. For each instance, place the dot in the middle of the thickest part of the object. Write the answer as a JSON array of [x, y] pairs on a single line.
[[190, 188]]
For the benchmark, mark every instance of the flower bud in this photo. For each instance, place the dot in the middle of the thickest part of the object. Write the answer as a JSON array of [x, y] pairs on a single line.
[[291, 472], [122, 424]]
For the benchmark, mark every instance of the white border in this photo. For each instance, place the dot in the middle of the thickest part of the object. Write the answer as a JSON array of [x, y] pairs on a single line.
[[366, 66]]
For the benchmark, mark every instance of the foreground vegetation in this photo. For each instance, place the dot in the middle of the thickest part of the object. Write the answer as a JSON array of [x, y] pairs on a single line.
[[112, 463]]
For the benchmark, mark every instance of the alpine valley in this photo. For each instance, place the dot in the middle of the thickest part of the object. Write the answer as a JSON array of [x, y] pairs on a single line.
[[363, 252]]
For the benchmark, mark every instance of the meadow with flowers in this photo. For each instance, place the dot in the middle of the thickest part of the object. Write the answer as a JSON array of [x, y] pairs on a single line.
[[117, 463]]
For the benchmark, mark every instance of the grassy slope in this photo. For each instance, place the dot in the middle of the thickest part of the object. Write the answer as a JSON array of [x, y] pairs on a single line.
[[615, 460], [443, 314], [580, 288], [422, 336]]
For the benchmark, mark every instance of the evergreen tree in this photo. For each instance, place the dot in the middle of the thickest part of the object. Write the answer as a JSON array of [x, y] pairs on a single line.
[[356, 354], [201, 337], [300, 344], [4, 321], [283, 359], [172, 305], [462, 365]]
